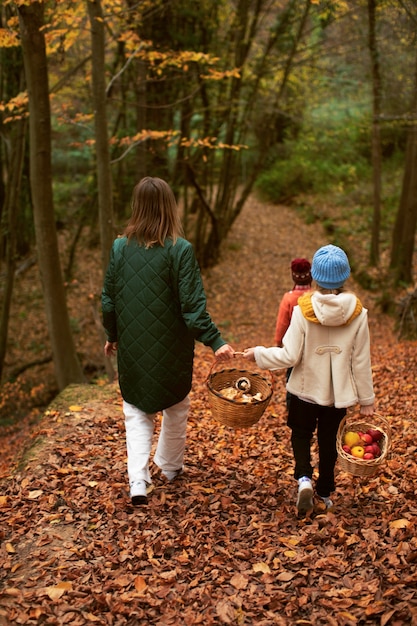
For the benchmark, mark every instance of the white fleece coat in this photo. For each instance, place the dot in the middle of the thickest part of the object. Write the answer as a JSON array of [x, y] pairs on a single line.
[[328, 346]]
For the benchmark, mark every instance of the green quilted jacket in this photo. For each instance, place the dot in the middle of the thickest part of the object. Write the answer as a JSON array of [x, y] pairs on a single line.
[[154, 306]]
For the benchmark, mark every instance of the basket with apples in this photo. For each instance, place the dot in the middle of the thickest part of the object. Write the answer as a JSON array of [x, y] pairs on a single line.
[[362, 446]]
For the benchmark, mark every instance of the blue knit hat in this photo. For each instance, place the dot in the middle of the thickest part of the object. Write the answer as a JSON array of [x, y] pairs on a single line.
[[330, 267]]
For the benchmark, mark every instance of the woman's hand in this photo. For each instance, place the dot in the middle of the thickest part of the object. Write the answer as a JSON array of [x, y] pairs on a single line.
[[110, 348], [224, 353]]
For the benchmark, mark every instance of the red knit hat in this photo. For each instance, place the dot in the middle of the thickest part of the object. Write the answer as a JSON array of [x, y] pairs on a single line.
[[301, 271]]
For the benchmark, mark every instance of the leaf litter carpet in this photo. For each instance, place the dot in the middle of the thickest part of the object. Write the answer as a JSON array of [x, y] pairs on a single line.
[[222, 544]]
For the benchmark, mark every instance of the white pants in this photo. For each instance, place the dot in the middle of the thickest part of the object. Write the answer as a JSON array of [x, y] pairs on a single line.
[[169, 454]]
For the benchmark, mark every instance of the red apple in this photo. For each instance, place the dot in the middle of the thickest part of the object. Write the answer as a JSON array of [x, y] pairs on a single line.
[[376, 449], [367, 438], [375, 434], [368, 456], [369, 449], [346, 449]]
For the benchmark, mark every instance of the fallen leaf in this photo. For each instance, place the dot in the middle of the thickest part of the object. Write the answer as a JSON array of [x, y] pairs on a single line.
[[239, 581], [261, 567], [35, 494], [226, 612], [57, 591], [140, 584], [285, 576], [399, 523]]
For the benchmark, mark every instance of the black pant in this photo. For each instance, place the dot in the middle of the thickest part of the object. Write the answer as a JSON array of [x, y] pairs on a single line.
[[303, 418], [288, 395]]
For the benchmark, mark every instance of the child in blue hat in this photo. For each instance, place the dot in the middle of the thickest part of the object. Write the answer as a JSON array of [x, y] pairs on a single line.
[[328, 346]]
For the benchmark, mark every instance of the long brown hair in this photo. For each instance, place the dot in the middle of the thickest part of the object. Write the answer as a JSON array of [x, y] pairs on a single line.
[[155, 216]]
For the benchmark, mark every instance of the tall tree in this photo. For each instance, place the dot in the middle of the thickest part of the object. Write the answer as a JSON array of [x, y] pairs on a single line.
[[12, 153], [376, 132], [104, 176], [9, 220], [403, 238], [67, 366]]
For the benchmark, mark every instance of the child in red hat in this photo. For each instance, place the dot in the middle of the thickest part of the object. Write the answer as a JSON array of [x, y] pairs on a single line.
[[301, 275]]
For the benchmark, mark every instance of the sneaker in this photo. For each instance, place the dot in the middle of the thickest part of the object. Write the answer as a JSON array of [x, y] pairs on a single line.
[[172, 475], [305, 495], [139, 492], [328, 503]]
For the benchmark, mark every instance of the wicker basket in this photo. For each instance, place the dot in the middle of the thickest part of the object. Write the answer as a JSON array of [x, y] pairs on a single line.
[[231, 412], [363, 467]]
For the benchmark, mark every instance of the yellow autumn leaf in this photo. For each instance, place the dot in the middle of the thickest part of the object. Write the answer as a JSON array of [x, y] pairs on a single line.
[[399, 523], [3, 500], [57, 591], [9, 548], [261, 567], [290, 553], [8, 39], [92, 483], [75, 408], [293, 541]]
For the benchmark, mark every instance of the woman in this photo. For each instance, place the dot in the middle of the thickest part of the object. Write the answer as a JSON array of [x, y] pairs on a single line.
[[154, 308]]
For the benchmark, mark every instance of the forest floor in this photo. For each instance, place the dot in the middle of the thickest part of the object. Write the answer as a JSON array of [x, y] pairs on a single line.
[[222, 544]]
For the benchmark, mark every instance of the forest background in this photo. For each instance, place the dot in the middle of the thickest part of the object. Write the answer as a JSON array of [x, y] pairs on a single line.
[[281, 126], [310, 103], [290, 98]]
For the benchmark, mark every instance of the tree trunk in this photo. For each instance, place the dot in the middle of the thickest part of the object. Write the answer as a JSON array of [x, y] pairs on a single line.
[[67, 366], [141, 118], [11, 208], [376, 134], [104, 181], [403, 238], [405, 224]]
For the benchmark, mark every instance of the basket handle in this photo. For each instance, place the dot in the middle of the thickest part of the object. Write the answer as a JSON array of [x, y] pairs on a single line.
[[239, 354], [387, 425]]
